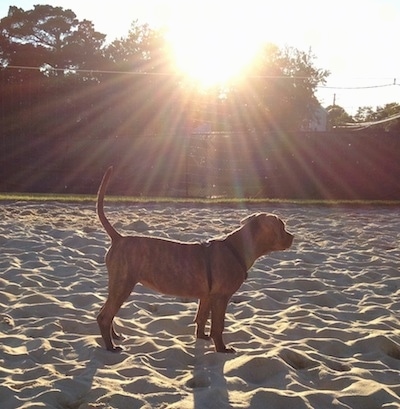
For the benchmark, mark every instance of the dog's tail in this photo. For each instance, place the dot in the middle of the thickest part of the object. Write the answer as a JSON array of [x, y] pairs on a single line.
[[100, 206]]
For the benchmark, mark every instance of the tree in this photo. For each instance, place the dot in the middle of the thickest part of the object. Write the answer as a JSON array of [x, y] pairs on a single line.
[[278, 91], [145, 92], [142, 50], [59, 45], [364, 114], [337, 116], [389, 112], [142, 93], [49, 37]]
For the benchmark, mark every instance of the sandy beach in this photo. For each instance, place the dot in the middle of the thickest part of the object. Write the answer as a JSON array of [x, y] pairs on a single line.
[[316, 326]]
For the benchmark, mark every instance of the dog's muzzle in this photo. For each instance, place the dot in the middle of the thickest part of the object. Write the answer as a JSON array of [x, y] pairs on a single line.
[[287, 241]]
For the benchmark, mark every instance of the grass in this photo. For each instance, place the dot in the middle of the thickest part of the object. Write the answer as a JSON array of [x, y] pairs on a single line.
[[78, 198]]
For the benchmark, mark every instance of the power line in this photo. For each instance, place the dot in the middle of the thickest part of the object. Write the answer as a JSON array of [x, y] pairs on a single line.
[[44, 68], [361, 87], [141, 73], [49, 68]]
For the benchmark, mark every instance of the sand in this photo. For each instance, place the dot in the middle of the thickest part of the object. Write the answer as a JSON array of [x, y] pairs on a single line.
[[316, 326]]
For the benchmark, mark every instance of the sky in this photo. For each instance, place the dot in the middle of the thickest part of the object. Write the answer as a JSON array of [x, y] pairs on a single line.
[[355, 40]]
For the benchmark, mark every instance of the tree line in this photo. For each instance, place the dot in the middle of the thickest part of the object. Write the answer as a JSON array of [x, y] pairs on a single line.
[[56, 69], [59, 77], [338, 117]]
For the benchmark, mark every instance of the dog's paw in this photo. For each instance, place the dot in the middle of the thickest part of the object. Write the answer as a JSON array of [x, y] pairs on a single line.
[[226, 350], [203, 336], [115, 349]]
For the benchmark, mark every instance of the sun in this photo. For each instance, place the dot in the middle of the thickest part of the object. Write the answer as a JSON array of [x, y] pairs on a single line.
[[213, 44]]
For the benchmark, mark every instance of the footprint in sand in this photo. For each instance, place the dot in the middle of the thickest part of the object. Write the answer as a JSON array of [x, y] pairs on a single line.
[[200, 380], [296, 360]]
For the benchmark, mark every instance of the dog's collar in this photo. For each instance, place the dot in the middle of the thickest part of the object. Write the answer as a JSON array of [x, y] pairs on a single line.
[[237, 256], [207, 248]]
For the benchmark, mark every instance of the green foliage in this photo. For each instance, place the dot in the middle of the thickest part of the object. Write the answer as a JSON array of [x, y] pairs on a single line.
[[75, 86], [368, 114], [278, 92], [364, 114], [49, 36], [337, 116], [138, 51], [239, 202]]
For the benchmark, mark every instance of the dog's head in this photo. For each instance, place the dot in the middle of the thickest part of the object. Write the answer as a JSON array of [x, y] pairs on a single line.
[[270, 230]]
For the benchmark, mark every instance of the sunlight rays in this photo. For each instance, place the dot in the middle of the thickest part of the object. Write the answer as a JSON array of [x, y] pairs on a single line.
[[214, 43]]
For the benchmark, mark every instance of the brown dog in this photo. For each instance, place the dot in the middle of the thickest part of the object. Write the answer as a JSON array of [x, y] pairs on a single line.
[[211, 272]]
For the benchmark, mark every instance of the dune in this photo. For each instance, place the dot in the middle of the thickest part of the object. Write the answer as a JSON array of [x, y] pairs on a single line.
[[316, 326]]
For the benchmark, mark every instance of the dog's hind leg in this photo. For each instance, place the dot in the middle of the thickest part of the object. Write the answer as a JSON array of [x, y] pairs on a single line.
[[203, 312], [106, 316], [105, 321]]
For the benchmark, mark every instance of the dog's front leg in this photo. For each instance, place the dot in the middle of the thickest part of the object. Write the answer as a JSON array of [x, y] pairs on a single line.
[[203, 312], [218, 309]]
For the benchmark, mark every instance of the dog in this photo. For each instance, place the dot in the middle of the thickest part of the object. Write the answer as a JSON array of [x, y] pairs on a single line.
[[211, 272]]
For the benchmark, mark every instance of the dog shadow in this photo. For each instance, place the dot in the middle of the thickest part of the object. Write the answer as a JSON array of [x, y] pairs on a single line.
[[208, 382]]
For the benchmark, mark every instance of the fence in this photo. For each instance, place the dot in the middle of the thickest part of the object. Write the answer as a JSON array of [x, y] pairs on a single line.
[[57, 134], [335, 165]]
